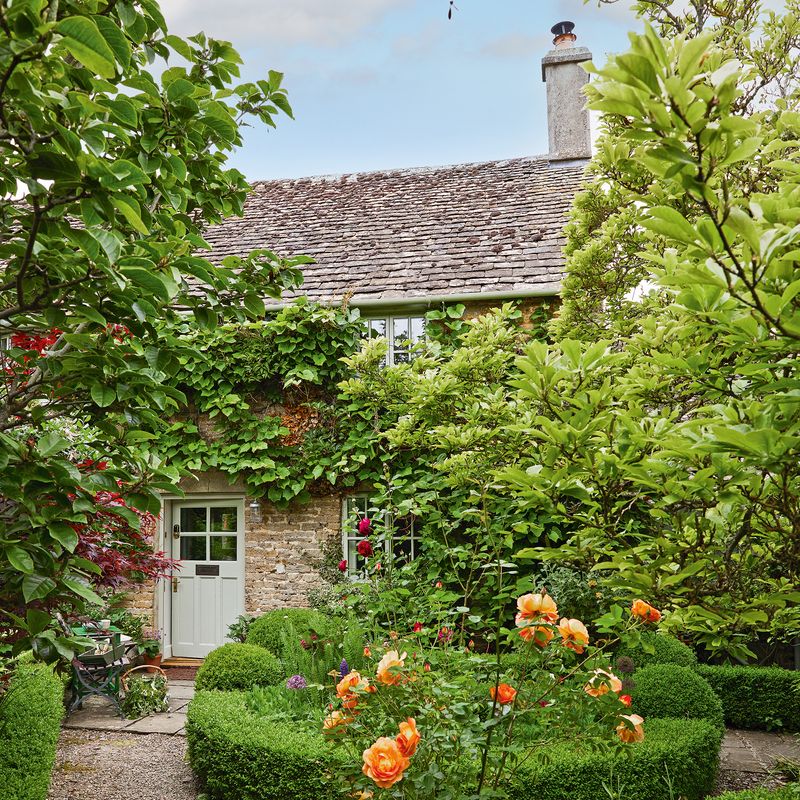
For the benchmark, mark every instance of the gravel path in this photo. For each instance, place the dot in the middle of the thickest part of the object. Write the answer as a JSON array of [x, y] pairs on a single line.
[[106, 765]]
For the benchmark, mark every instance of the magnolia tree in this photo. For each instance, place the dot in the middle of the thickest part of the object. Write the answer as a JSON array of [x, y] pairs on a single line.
[[671, 455], [110, 171]]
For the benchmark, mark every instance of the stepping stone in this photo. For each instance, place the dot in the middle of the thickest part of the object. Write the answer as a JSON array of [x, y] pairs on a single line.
[[97, 720], [180, 692], [158, 723]]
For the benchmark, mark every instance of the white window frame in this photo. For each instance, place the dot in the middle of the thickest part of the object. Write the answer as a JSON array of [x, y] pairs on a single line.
[[393, 351], [351, 536]]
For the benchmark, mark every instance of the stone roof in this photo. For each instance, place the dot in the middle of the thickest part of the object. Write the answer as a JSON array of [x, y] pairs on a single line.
[[405, 234]]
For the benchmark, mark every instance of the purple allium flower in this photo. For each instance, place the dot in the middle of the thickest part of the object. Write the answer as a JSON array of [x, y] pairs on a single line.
[[343, 668], [296, 682]]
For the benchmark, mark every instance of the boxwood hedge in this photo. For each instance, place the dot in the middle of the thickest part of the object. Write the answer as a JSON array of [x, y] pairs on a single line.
[[238, 666], [668, 690], [676, 755], [756, 698], [30, 718], [666, 650], [791, 792], [267, 629], [238, 754]]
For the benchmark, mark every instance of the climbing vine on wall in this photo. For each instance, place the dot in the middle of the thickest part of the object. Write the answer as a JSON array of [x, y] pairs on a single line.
[[264, 403]]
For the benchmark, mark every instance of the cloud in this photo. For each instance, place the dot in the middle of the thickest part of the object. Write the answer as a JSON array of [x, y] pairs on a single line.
[[517, 45], [254, 22]]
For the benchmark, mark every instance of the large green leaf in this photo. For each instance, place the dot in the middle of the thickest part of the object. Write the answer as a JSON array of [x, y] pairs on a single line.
[[20, 559], [86, 43]]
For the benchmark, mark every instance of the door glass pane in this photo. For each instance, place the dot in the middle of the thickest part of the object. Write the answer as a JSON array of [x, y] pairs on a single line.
[[193, 548], [193, 519], [223, 548], [224, 518]]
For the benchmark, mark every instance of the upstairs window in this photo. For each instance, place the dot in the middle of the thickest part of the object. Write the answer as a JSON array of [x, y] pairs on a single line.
[[402, 332], [397, 535]]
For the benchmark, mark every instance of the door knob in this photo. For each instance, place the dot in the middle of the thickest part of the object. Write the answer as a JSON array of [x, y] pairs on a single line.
[[176, 531]]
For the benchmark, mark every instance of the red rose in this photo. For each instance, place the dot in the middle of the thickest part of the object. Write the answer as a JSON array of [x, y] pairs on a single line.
[[364, 548], [417, 627], [626, 699], [343, 565], [365, 526]]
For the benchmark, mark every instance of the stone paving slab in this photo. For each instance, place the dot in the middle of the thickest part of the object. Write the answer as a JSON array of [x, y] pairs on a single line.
[[756, 751], [158, 723]]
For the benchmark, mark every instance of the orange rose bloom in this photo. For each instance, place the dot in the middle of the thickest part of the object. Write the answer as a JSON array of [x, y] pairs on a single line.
[[409, 737], [384, 763], [536, 607], [344, 689], [540, 636], [505, 693], [367, 652], [645, 611], [601, 683], [334, 719], [573, 634], [630, 735], [391, 661]]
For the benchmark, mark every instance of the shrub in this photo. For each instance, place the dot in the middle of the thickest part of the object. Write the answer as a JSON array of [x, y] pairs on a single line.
[[791, 792], [238, 666], [676, 755], [267, 629], [666, 650], [30, 717], [757, 698], [668, 690], [239, 754]]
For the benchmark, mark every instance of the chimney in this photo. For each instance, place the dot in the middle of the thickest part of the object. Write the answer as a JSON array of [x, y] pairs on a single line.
[[567, 116]]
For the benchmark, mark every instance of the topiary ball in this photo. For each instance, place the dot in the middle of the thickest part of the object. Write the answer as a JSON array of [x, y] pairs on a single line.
[[667, 650], [669, 690], [237, 666], [267, 629]]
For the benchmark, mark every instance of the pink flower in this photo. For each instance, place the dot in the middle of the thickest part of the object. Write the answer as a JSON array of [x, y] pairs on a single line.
[[365, 526], [364, 548], [343, 565], [445, 634]]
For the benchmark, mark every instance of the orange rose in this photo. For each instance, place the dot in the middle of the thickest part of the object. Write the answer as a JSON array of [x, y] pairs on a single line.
[[367, 652], [630, 734], [388, 666], [540, 636], [573, 634], [334, 719], [409, 737], [536, 607], [601, 683], [349, 686], [505, 694], [384, 763], [645, 611]]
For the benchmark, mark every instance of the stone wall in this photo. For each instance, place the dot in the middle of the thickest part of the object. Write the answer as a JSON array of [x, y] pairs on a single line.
[[280, 551]]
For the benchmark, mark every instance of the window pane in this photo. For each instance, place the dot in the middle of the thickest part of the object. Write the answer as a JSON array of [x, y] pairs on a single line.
[[417, 328], [400, 332], [193, 519], [223, 548], [402, 357], [193, 548], [224, 518], [377, 328]]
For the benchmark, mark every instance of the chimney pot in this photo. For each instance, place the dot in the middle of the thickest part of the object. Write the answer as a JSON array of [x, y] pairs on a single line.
[[567, 115]]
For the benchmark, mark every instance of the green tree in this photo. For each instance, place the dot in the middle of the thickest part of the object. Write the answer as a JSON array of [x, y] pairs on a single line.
[[672, 453], [113, 162]]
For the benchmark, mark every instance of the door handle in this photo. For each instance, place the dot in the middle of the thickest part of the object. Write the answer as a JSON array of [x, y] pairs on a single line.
[[176, 531], [175, 583]]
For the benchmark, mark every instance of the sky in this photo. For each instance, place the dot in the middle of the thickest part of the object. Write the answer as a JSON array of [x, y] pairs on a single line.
[[381, 84]]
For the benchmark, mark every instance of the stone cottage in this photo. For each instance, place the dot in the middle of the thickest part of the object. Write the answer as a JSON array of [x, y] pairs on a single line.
[[397, 243]]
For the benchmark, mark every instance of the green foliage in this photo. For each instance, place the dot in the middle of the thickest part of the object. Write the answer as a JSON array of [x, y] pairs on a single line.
[[238, 666], [144, 695], [116, 169], [663, 445], [30, 721], [238, 630], [669, 690], [678, 758], [656, 648], [238, 753], [756, 698], [790, 792], [268, 629], [279, 704]]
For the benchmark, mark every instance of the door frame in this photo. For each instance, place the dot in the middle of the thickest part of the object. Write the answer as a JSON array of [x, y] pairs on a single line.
[[168, 545]]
